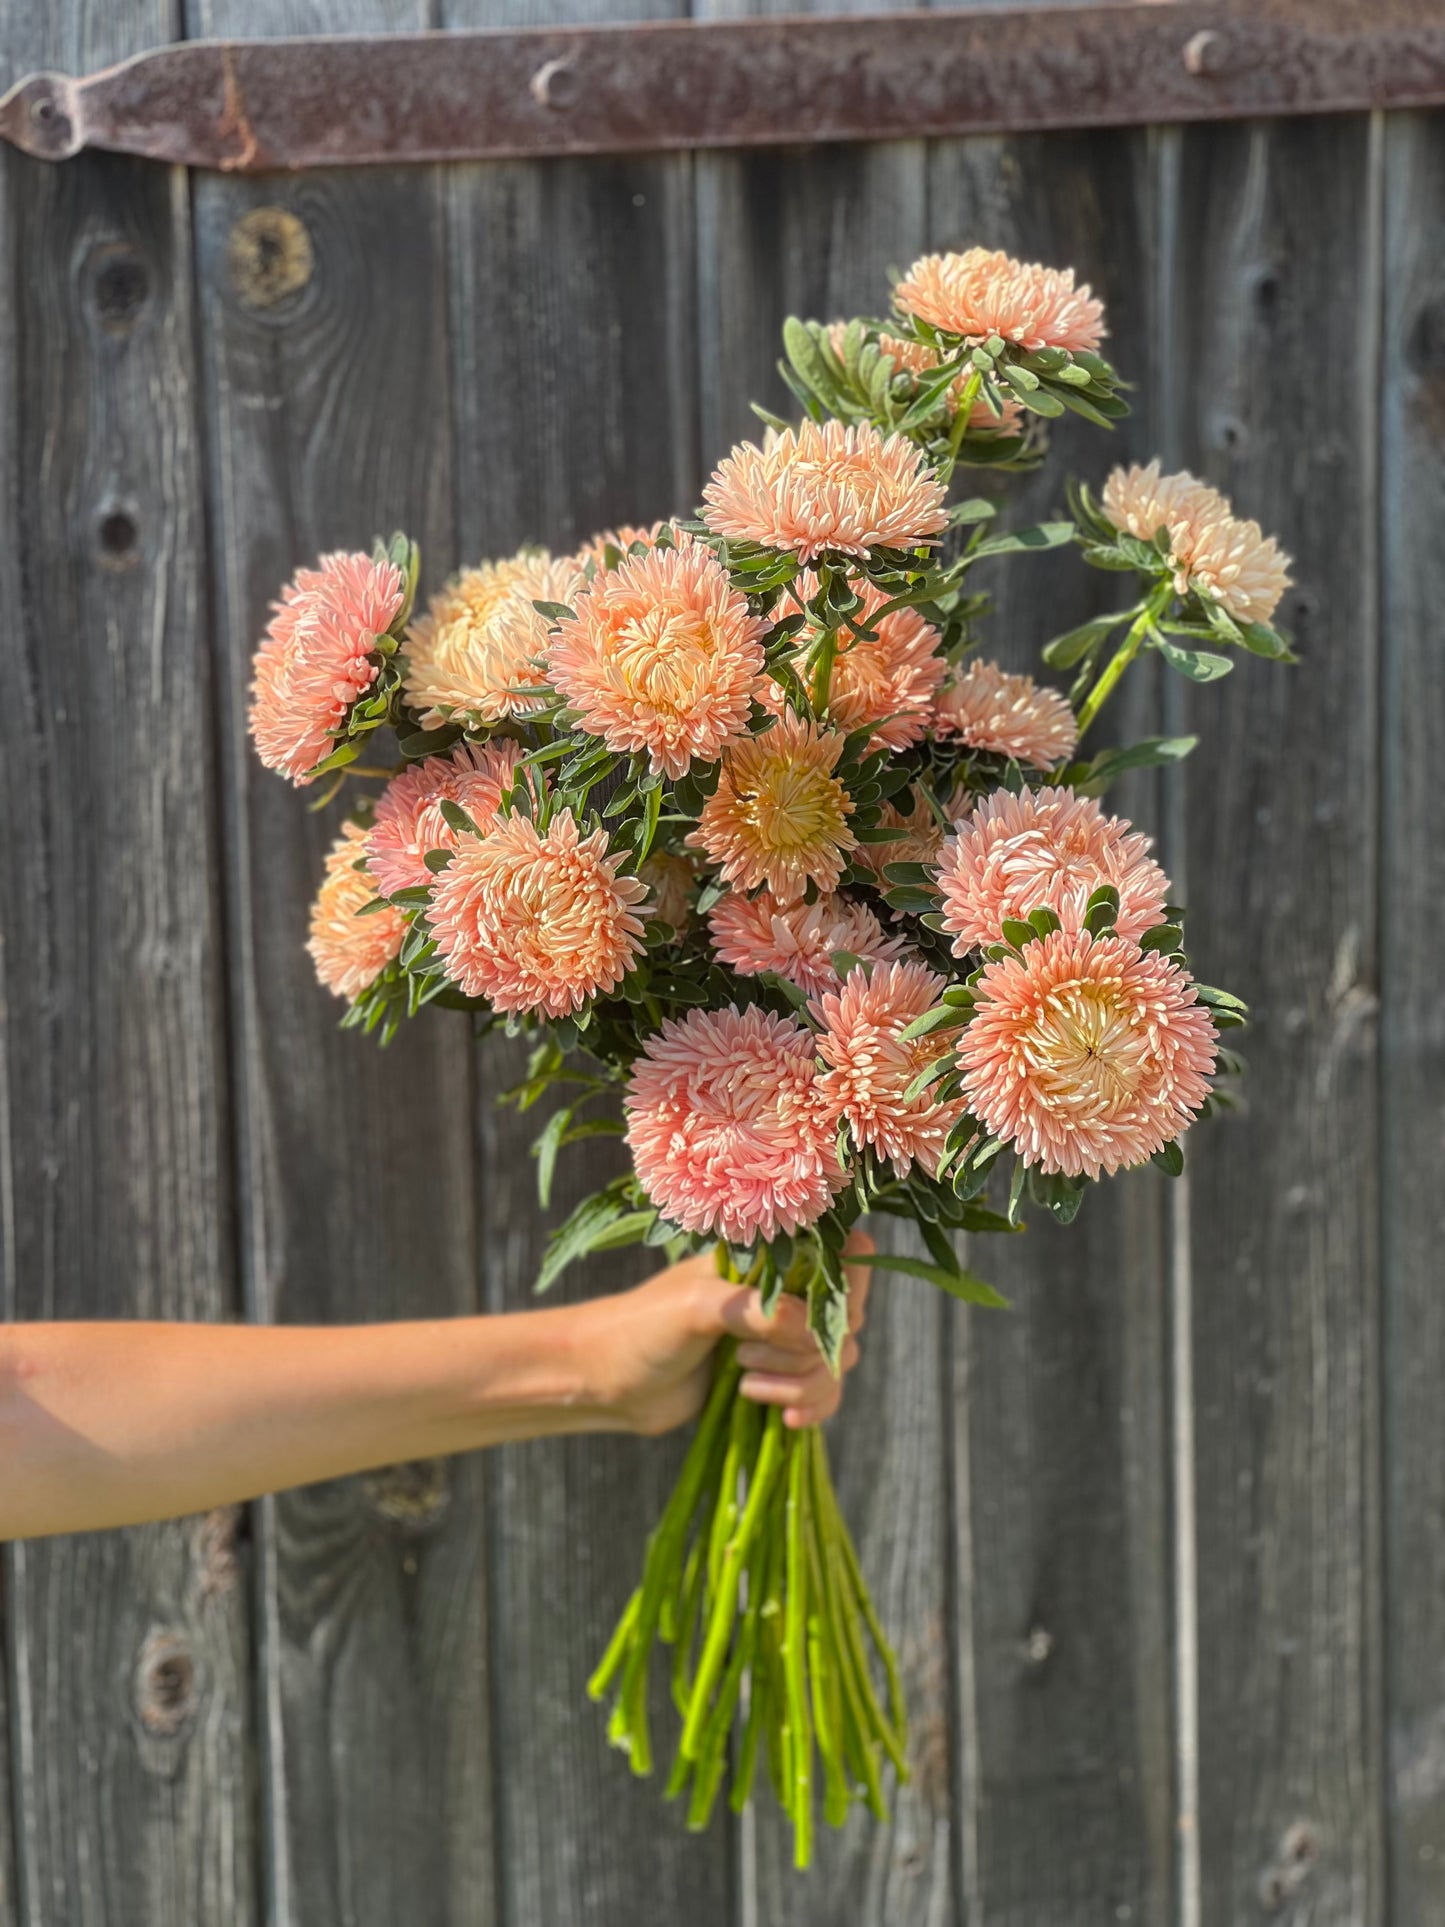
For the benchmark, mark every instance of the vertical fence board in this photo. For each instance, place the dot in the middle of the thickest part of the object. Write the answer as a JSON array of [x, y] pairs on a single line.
[[1278, 283], [1412, 939], [573, 333], [9, 1862], [323, 300], [813, 232], [1062, 1523], [129, 1746]]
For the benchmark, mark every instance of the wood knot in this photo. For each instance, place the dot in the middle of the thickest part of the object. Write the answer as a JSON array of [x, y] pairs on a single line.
[[120, 286], [1038, 1645], [414, 1496], [165, 1683], [1294, 1861], [117, 537], [213, 1546], [270, 256]]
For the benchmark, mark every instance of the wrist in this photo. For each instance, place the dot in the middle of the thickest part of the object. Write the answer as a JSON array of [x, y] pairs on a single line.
[[535, 1376]]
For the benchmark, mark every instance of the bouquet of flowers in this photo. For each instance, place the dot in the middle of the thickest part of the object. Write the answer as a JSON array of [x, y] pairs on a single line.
[[729, 820]]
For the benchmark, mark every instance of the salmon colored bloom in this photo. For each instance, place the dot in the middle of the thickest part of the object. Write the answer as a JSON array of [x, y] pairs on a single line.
[[918, 358], [871, 1064], [663, 656], [982, 293], [351, 951], [671, 886], [536, 922], [889, 679], [475, 653], [1010, 715], [408, 820], [728, 1128], [319, 657], [779, 815], [1016, 854], [827, 488], [796, 940], [1087, 1054], [1212, 551]]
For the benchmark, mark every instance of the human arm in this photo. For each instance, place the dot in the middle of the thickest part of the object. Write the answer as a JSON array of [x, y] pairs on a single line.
[[105, 1424]]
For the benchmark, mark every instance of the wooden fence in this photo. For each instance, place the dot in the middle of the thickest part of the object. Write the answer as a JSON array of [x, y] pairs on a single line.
[[1163, 1546]]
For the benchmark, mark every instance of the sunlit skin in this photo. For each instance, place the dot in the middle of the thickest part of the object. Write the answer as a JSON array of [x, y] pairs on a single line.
[[105, 1424]]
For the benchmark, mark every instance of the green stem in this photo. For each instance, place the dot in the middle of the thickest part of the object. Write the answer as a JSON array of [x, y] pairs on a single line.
[[858, 1710], [725, 1603], [1138, 634], [795, 1659]]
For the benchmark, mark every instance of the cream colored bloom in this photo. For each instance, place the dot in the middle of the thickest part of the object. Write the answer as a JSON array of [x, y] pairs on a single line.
[[475, 653], [1212, 551]]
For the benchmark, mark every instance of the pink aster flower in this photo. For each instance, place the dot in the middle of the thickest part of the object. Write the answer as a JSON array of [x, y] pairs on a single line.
[[982, 293], [1052, 850], [476, 652], [917, 358], [1087, 1054], [318, 657], [409, 820], [871, 1064], [890, 679], [779, 815], [827, 488], [1010, 715], [663, 656], [728, 1128], [350, 951], [796, 940], [1212, 551], [536, 922]]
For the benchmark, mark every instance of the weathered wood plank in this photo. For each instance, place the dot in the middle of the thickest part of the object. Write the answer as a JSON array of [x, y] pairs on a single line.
[[1061, 1417], [131, 1777], [1278, 282], [1412, 1034], [813, 232], [323, 305], [9, 1858], [574, 338]]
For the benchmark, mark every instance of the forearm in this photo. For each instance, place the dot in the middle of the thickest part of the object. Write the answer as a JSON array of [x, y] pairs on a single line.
[[112, 1424]]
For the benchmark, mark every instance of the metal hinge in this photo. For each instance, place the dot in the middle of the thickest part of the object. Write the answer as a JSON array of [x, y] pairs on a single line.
[[247, 105]]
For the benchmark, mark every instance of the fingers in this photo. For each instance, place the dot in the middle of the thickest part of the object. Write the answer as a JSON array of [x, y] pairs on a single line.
[[787, 1325], [860, 1277], [808, 1392]]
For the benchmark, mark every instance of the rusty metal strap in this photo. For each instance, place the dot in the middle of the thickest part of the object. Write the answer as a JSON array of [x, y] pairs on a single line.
[[248, 105]]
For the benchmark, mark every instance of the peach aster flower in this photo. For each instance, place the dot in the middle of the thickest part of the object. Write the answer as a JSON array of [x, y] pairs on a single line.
[[475, 653], [1087, 1054], [1231, 561], [318, 657], [1049, 851], [779, 815], [623, 539], [351, 951], [796, 940], [409, 822], [827, 488], [536, 922], [663, 656], [890, 680], [982, 293], [1010, 715], [728, 1128], [871, 1064], [917, 358]]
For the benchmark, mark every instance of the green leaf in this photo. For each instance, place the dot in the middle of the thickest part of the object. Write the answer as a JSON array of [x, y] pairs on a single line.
[[1261, 640], [1048, 535], [1060, 1196], [1044, 921], [1170, 1159], [1018, 933], [545, 1150], [555, 611], [436, 860], [1200, 665], [600, 1223], [930, 1020], [1151, 752], [958, 1284], [828, 1314], [1164, 936], [1071, 647], [456, 818], [1101, 910]]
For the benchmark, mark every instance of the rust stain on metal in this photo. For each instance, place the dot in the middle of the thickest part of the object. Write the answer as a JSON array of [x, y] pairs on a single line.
[[658, 86]]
